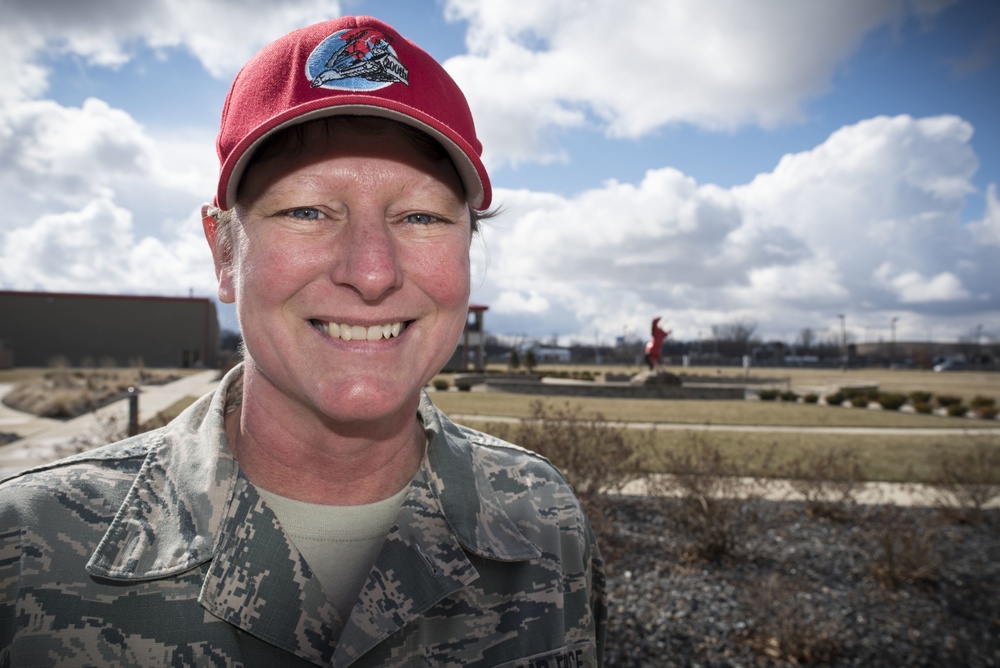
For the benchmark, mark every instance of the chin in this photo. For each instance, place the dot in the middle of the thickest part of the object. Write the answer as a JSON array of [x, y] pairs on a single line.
[[366, 401]]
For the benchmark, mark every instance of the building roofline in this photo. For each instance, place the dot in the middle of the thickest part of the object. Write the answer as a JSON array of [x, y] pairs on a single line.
[[91, 295]]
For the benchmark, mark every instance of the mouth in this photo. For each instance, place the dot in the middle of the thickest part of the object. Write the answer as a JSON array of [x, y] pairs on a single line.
[[348, 332]]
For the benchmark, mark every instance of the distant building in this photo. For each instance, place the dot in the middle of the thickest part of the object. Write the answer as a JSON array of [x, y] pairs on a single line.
[[38, 327], [546, 354], [470, 349]]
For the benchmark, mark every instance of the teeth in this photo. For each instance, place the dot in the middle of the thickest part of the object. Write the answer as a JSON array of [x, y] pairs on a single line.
[[359, 332]]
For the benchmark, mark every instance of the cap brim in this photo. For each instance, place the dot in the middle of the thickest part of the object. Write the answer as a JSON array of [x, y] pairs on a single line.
[[472, 174]]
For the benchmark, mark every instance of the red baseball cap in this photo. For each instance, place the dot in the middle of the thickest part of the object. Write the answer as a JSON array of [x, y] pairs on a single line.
[[354, 65]]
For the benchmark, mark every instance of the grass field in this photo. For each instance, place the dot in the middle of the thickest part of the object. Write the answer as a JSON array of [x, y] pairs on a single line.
[[888, 455], [716, 412], [885, 456], [965, 384]]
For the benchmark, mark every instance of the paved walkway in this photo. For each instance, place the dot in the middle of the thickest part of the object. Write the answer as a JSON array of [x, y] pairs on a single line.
[[867, 493], [692, 426], [45, 439]]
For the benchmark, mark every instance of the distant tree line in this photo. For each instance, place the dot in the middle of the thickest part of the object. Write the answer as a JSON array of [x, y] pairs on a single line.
[[728, 343]]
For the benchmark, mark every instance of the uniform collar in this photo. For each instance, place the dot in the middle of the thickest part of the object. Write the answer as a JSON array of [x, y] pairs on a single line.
[[171, 518], [461, 481]]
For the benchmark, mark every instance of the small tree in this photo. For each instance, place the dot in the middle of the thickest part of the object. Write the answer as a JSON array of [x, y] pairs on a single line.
[[529, 360], [514, 362]]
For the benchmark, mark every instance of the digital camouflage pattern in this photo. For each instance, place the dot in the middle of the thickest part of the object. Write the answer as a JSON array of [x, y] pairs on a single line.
[[159, 551]]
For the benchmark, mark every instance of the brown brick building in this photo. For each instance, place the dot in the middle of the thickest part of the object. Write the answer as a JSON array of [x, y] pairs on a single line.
[[88, 329]]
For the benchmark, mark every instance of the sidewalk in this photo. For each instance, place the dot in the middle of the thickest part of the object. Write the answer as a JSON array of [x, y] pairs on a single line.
[[45, 439], [866, 493]]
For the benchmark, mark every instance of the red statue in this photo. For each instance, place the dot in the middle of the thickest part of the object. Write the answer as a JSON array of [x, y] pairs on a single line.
[[654, 346]]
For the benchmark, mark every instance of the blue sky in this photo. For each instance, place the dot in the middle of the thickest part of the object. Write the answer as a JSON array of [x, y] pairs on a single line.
[[709, 162]]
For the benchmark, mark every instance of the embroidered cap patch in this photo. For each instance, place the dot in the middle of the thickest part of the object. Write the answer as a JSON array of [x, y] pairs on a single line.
[[357, 59]]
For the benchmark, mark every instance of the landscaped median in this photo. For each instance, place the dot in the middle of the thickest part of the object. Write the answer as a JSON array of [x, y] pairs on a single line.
[[738, 556]]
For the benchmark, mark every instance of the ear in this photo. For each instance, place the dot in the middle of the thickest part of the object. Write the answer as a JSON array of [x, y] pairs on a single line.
[[220, 256]]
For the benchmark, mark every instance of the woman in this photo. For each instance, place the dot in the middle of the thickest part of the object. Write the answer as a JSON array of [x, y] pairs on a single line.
[[317, 508]]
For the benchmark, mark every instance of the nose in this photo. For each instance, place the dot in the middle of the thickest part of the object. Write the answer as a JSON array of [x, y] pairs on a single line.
[[368, 258]]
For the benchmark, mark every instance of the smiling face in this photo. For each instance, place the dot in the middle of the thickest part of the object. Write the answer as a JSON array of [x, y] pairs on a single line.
[[349, 268]]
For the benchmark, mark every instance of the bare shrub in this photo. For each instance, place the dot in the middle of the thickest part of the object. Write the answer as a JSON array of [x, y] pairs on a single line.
[[905, 554], [440, 384], [945, 400], [788, 624], [110, 427], [957, 410], [65, 393], [923, 407], [834, 398], [828, 482], [597, 457], [921, 397], [64, 403], [811, 398], [980, 401], [704, 496], [966, 480], [789, 395], [891, 401], [59, 362], [860, 400]]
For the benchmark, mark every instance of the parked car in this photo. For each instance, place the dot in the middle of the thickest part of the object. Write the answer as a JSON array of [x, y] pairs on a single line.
[[950, 365]]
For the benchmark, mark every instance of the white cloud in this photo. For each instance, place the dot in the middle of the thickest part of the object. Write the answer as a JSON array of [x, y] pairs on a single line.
[[66, 152], [868, 221], [913, 287], [632, 67], [222, 34], [96, 246], [515, 302], [987, 230], [93, 200]]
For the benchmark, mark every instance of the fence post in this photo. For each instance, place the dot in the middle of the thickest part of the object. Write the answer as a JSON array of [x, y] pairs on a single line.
[[133, 410]]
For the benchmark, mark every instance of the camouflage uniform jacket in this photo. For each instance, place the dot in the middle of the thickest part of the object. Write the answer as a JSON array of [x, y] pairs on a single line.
[[158, 551]]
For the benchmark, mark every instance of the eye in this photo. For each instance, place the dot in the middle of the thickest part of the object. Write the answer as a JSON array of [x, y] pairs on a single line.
[[420, 218], [305, 213]]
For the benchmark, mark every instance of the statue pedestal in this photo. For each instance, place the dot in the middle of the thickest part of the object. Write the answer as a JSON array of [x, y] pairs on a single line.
[[656, 378]]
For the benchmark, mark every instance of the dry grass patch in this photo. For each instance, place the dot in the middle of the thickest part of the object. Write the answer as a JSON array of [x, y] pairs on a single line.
[[706, 499], [880, 457], [788, 626], [67, 393], [723, 412], [828, 481], [966, 481]]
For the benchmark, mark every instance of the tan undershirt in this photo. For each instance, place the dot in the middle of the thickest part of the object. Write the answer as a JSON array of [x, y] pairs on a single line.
[[339, 543]]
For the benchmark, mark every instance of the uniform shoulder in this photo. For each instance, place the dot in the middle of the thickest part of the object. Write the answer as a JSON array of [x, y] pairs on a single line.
[[95, 473], [503, 459]]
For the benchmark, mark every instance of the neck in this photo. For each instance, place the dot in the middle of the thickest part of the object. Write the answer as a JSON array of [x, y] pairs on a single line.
[[309, 458]]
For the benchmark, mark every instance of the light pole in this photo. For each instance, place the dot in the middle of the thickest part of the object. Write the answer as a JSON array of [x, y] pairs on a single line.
[[979, 345], [843, 338], [892, 344]]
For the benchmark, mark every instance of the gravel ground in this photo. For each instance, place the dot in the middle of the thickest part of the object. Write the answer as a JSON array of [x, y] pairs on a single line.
[[849, 586]]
